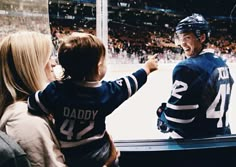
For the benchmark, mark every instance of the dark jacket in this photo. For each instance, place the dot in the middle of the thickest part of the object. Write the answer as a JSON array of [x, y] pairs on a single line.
[[11, 153]]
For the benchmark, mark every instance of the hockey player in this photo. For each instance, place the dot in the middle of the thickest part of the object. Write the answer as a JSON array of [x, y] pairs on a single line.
[[201, 88]]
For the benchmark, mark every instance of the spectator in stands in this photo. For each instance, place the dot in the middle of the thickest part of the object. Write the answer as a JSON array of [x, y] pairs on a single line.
[[11, 153], [81, 102], [25, 68], [201, 89]]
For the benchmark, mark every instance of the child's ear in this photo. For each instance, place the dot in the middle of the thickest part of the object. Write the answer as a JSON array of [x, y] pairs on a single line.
[[99, 68]]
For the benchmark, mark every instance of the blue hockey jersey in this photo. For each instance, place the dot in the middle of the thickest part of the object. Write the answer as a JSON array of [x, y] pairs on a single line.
[[199, 98], [80, 108]]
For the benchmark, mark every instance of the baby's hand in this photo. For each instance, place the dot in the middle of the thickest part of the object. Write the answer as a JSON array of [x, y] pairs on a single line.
[[151, 64]]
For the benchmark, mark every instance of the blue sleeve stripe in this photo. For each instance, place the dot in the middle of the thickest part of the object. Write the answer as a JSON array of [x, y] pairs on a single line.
[[128, 86], [182, 107], [43, 108], [177, 120]]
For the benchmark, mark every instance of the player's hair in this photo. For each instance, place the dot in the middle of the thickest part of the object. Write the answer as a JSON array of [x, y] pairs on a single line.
[[79, 55], [23, 56]]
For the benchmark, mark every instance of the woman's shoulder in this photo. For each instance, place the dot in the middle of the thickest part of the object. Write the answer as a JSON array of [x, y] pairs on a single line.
[[19, 105], [17, 121], [18, 111], [13, 113]]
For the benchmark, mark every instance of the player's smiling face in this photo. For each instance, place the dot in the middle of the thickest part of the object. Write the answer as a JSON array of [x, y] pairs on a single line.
[[190, 43]]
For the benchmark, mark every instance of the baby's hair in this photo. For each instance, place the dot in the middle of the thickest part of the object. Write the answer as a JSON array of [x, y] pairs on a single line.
[[79, 55]]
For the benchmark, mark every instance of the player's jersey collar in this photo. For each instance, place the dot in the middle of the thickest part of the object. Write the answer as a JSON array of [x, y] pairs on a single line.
[[208, 50]]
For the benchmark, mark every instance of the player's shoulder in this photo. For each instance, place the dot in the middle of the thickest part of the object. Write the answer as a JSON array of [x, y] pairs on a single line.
[[186, 64], [206, 59], [209, 55], [191, 66]]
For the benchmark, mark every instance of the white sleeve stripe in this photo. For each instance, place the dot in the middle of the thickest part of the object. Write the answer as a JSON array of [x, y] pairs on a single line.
[[29, 106], [39, 103], [136, 82], [128, 86], [177, 120], [182, 107]]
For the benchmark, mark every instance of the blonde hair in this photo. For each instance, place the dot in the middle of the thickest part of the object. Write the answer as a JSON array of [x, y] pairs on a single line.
[[23, 57], [79, 54]]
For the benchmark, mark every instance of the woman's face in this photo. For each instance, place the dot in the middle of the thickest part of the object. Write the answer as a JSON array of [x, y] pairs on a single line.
[[49, 69]]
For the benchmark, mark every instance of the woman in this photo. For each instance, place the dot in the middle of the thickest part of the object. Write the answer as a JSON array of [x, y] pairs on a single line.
[[25, 67]]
